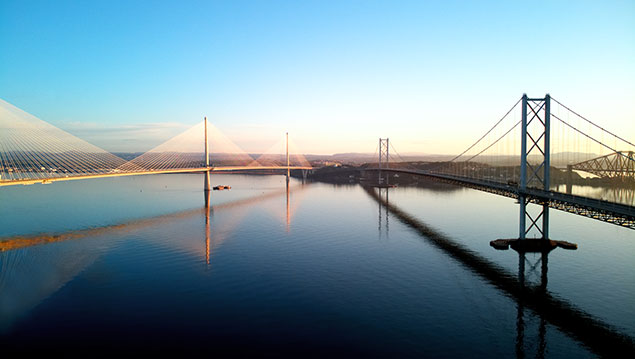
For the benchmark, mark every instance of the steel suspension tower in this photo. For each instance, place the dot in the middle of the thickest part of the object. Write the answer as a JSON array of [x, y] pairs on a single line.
[[383, 157], [535, 134]]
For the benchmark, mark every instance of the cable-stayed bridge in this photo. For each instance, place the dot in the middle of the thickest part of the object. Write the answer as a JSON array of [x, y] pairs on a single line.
[[33, 151], [536, 153]]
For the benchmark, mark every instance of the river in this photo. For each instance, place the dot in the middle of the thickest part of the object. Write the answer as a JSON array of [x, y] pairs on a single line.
[[139, 265]]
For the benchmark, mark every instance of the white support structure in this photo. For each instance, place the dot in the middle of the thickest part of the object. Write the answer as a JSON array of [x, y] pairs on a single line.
[[207, 185], [288, 171]]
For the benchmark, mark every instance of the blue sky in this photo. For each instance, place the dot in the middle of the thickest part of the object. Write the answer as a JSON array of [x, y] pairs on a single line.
[[431, 75]]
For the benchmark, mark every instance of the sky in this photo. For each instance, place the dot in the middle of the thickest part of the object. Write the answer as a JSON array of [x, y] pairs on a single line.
[[337, 75]]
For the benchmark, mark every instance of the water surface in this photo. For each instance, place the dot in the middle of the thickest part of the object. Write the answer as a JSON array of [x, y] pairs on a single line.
[[141, 266]]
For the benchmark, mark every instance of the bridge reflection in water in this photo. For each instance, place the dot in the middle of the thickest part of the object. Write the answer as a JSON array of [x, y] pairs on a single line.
[[212, 241], [527, 293], [31, 269], [600, 337]]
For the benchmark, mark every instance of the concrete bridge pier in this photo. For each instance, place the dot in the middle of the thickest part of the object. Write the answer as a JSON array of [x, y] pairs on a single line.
[[207, 194], [207, 184]]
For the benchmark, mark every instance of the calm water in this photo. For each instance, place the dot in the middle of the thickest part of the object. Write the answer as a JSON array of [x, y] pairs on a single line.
[[140, 266]]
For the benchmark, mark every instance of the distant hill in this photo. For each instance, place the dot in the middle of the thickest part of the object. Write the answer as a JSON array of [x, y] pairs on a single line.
[[560, 159]]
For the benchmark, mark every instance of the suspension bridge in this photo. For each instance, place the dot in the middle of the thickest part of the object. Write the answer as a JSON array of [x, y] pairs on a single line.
[[533, 159]]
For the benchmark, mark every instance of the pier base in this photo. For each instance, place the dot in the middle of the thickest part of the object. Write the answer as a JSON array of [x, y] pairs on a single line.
[[529, 245]]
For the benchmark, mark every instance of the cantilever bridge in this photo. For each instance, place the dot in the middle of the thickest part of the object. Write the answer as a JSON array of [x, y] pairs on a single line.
[[525, 155]]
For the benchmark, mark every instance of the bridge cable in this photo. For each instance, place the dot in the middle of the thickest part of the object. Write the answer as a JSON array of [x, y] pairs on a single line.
[[592, 123], [488, 132], [403, 160], [493, 143], [374, 155], [591, 138]]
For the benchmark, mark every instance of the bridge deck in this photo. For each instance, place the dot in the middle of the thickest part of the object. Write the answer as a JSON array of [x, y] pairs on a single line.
[[150, 172], [616, 213]]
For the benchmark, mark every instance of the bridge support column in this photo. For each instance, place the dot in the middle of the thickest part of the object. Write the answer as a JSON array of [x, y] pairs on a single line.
[[523, 216], [379, 172], [383, 154], [534, 183], [545, 221], [535, 141], [207, 185], [288, 206], [387, 164], [288, 157], [547, 165]]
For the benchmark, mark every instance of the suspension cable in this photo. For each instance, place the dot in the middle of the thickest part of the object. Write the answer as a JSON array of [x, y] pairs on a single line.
[[591, 138], [490, 130], [403, 160], [592, 123], [493, 143]]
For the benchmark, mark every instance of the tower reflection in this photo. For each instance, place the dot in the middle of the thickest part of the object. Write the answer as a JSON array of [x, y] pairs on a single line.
[[288, 204], [239, 209], [208, 209], [383, 205], [526, 271], [595, 334]]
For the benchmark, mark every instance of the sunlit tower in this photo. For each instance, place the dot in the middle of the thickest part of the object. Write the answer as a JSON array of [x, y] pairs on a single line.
[[207, 179], [383, 157], [288, 157], [535, 142]]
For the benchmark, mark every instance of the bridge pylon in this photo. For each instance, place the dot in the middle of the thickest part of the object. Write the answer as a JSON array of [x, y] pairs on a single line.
[[207, 184], [383, 158], [288, 171], [534, 176], [535, 144]]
